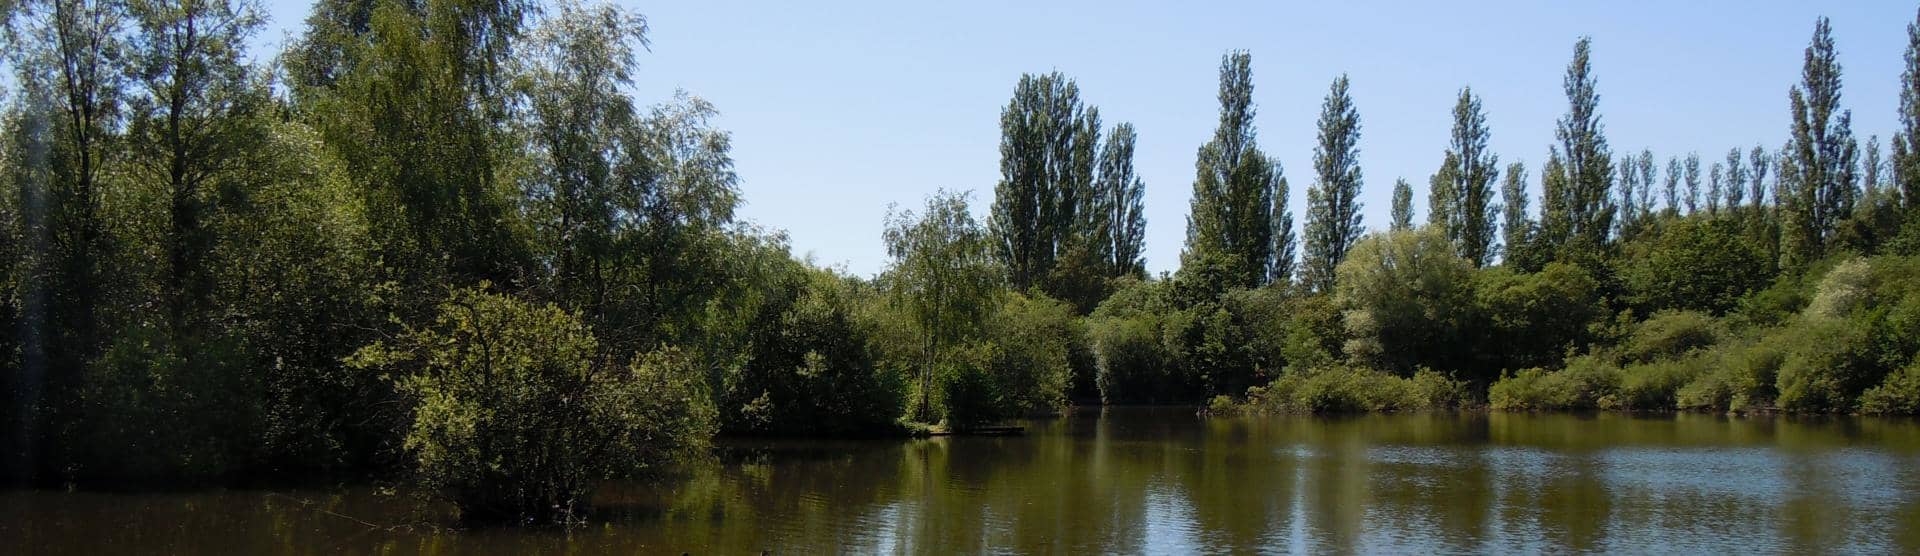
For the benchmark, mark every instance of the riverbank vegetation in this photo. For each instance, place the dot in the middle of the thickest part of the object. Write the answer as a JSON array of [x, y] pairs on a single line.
[[440, 240]]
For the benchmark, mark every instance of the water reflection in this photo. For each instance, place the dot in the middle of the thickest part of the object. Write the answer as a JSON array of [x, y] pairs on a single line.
[[1143, 481]]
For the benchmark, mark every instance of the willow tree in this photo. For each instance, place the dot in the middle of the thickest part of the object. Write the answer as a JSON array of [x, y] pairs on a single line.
[[1333, 203]]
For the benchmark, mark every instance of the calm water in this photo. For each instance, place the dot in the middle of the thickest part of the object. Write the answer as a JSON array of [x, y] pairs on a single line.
[[1144, 481]]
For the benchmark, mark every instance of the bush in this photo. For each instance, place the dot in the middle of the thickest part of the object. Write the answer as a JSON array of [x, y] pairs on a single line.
[[1828, 364], [1535, 319], [1582, 385], [1692, 264], [810, 367], [968, 396], [1669, 335], [1349, 389], [517, 415], [1028, 353], [1742, 378], [1654, 386], [1131, 341], [1407, 301], [1899, 394]]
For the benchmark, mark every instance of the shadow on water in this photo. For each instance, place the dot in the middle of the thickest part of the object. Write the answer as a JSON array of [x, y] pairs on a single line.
[[1155, 480]]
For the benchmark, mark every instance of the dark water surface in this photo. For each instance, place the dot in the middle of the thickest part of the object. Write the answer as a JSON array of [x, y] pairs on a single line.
[[1139, 480]]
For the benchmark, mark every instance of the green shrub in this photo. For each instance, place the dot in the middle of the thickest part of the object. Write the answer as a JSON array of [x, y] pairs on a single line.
[[1027, 353], [811, 366], [1535, 319], [1654, 386], [1349, 389], [1828, 363], [1582, 385], [968, 395], [1742, 377], [1671, 334], [517, 415], [1899, 394], [1407, 301], [1692, 264], [1133, 346]]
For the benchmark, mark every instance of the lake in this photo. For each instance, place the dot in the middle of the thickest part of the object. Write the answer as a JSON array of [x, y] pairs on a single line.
[[1140, 480]]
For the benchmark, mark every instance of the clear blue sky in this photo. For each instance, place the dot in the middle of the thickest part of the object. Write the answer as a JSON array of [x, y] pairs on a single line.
[[838, 109]]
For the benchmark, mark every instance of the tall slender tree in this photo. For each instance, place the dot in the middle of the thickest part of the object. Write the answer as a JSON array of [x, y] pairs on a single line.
[[1674, 168], [1402, 205], [1237, 210], [1715, 187], [1906, 141], [1759, 161], [1587, 161], [1648, 173], [1471, 170], [1045, 176], [1122, 198], [1693, 182], [1516, 225], [1818, 169], [1736, 190], [1333, 204]]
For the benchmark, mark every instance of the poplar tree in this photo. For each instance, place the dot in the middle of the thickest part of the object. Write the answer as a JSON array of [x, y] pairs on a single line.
[[1672, 189], [1586, 162], [1818, 169], [1759, 161], [1122, 198], [1715, 175], [1047, 166], [1906, 141], [1736, 190], [1402, 205], [1648, 173], [1518, 229], [1237, 228], [1469, 172], [1693, 182], [1333, 204]]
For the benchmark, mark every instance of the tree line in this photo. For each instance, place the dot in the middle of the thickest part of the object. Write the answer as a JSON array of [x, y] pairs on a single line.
[[439, 241]]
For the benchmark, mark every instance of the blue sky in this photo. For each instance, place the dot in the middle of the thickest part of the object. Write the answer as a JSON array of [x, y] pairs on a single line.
[[838, 109]]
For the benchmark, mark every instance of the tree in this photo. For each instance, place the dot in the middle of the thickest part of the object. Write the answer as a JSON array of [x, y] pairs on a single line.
[[1402, 205], [1673, 185], [1906, 141], [1587, 163], [1471, 170], [941, 275], [1736, 187], [1043, 202], [1818, 170], [1648, 173], [1333, 204], [71, 90], [1693, 182], [191, 116], [1238, 227], [1517, 226], [1401, 295], [1123, 195], [518, 415], [1759, 161]]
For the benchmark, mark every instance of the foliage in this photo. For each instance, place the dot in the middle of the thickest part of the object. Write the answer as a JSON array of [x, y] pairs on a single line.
[[1239, 233], [942, 276], [1027, 353], [1407, 300], [1695, 263], [1333, 203], [1534, 320], [517, 414], [1349, 389], [1583, 384], [1898, 395], [1669, 335], [811, 367]]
